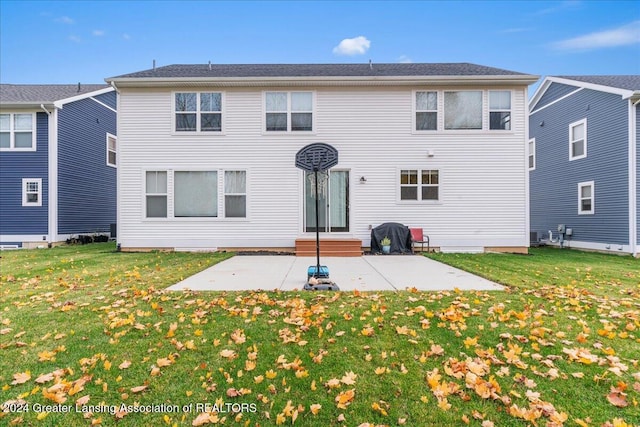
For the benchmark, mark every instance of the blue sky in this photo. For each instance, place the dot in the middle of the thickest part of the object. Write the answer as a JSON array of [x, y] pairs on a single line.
[[87, 41]]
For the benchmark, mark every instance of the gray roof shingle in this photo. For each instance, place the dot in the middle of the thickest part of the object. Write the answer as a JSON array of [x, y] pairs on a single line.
[[317, 70], [43, 94], [616, 81]]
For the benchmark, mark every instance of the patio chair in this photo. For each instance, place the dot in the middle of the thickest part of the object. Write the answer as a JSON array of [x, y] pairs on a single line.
[[418, 236]]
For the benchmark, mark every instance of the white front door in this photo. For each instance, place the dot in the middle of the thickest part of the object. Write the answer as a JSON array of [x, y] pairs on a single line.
[[333, 201]]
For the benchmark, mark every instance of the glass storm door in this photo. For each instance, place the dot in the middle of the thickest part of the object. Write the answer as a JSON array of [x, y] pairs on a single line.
[[333, 201]]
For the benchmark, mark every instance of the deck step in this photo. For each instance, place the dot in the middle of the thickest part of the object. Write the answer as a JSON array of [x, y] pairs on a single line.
[[329, 247]]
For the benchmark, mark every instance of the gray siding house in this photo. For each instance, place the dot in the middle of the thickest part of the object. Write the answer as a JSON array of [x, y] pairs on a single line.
[[584, 162], [57, 162]]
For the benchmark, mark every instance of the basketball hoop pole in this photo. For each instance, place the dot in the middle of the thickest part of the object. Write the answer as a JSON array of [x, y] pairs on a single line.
[[317, 275]]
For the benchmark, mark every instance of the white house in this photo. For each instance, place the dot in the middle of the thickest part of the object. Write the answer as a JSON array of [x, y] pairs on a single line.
[[207, 154]]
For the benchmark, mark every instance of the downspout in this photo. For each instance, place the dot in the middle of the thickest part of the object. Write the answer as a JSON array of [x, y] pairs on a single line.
[[52, 175], [633, 177], [118, 168]]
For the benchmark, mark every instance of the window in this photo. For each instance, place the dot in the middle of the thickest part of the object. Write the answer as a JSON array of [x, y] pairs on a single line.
[[198, 112], [156, 194], [195, 194], [500, 109], [531, 155], [17, 131], [111, 150], [578, 140], [31, 192], [288, 111], [235, 194], [419, 184], [463, 110], [426, 110], [586, 198]]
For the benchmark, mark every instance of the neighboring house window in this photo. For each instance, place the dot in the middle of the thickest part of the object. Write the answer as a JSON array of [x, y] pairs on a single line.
[[31, 192], [235, 194], [426, 110], [586, 198], [500, 109], [463, 110], [111, 150], [419, 184], [532, 154], [17, 131], [198, 112], [288, 111], [195, 194], [156, 194], [578, 140]]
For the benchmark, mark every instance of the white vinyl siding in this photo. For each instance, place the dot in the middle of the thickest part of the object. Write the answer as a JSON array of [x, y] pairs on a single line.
[[371, 128]]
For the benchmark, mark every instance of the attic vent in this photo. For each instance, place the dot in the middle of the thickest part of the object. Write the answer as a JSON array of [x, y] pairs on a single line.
[[79, 87]]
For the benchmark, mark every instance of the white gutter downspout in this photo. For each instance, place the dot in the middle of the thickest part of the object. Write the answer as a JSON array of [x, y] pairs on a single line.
[[633, 179], [119, 167], [52, 162]]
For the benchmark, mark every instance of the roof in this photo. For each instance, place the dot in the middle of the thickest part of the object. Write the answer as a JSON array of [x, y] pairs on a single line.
[[259, 73], [627, 86], [34, 95], [619, 82]]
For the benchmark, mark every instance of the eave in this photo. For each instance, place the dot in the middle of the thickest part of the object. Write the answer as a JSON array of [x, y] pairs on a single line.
[[510, 80]]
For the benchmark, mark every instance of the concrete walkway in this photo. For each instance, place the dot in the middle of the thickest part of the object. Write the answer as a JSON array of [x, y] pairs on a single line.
[[366, 273]]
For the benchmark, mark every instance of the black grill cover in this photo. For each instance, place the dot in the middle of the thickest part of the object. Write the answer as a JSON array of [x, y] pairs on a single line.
[[399, 234]]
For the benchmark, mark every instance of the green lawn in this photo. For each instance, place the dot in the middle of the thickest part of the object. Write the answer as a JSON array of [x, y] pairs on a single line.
[[90, 331]]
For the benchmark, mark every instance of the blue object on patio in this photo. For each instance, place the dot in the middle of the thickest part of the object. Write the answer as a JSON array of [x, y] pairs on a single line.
[[311, 272]]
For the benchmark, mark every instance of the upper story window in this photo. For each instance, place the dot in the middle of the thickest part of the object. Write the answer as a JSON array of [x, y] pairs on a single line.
[[31, 192], [418, 184], [17, 131], [426, 110], [531, 154], [463, 109], [578, 140], [500, 109], [288, 111], [198, 112], [111, 150]]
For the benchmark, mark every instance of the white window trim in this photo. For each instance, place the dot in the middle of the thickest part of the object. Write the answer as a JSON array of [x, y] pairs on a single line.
[[581, 185], [510, 110], [289, 111], [114, 151], [222, 194], [34, 132], [531, 146], [415, 111], [198, 113], [170, 194], [571, 126], [419, 200], [25, 182]]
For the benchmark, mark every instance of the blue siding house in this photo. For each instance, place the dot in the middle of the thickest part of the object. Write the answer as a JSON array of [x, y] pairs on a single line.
[[584, 162], [58, 162]]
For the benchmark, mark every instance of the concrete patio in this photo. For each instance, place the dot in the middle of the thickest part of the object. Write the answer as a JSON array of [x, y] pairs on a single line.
[[366, 273]]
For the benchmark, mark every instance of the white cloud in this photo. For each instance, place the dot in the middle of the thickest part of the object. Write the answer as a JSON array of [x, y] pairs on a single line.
[[75, 39], [404, 59], [65, 20], [355, 46], [98, 33], [126, 36], [622, 36]]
